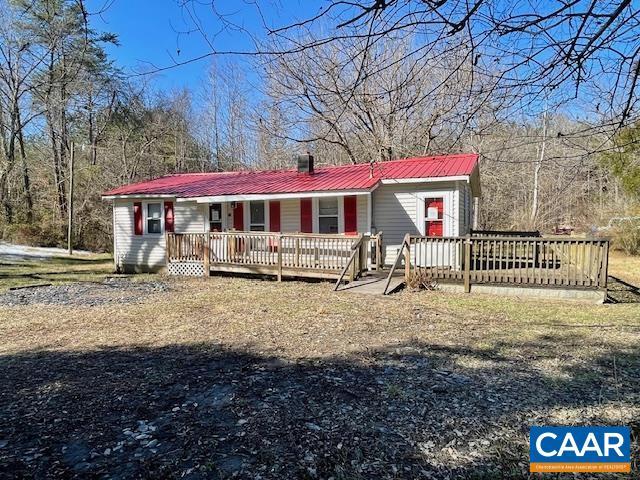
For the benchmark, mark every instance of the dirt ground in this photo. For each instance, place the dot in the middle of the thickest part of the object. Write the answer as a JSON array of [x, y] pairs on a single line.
[[230, 377]]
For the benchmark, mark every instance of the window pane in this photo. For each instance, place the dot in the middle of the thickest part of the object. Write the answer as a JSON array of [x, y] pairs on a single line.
[[433, 208], [328, 206], [257, 212], [153, 225], [256, 228], [328, 225], [215, 212], [154, 210]]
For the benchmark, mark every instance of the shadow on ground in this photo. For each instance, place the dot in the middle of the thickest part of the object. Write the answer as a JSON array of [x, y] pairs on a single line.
[[205, 411], [619, 291]]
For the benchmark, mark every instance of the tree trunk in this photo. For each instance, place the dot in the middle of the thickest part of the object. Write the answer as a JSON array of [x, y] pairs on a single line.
[[26, 181], [4, 195]]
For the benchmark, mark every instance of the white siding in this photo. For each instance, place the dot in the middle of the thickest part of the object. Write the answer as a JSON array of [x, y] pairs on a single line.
[[465, 216], [361, 209], [135, 252], [190, 217], [396, 208], [290, 215]]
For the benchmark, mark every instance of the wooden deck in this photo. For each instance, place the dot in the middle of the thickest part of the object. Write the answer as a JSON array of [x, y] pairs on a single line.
[[472, 260], [373, 283], [512, 260], [278, 254]]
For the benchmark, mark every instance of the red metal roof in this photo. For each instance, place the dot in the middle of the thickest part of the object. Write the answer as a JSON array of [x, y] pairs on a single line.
[[346, 177]]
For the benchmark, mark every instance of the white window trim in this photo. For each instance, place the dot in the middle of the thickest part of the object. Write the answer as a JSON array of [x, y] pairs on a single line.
[[145, 216], [223, 213], [449, 217], [246, 214], [315, 211]]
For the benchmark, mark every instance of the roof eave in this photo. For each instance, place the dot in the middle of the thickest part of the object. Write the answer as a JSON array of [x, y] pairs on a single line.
[[243, 197], [275, 196], [451, 178], [138, 195]]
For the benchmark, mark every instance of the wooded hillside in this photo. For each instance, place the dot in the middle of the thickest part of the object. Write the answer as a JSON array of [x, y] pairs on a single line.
[[543, 163]]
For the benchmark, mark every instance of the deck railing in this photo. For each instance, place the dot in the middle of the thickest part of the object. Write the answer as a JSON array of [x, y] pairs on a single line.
[[567, 262], [321, 255], [375, 251], [505, 233], [185, 247]]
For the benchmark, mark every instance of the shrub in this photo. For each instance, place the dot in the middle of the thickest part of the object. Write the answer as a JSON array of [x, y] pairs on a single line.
[[40, 235], [626, 237]]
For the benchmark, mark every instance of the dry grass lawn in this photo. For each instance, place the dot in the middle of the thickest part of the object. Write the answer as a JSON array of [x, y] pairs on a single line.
[[625, 267], [229, 376], [55, 270]]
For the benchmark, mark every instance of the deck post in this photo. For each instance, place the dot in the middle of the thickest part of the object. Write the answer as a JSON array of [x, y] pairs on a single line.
[[206, 255], [166, 249], [605, 266], [406, 246], [352, 271], [466, 259], [279, 247], [365, 250]]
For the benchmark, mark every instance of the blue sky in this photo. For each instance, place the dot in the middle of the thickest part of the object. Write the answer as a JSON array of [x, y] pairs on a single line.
[[149, 32]]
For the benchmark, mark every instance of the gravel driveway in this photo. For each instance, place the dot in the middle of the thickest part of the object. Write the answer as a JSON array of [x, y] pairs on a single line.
[[88, 294]]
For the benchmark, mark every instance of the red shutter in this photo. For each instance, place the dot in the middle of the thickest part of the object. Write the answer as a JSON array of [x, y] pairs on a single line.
[[168, 217], [137, 218], [306, 215], [350, 215], [274, 216], [238, 217]]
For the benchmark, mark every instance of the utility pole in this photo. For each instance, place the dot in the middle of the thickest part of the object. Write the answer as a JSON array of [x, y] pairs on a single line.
[[70, 206], [535, 207]]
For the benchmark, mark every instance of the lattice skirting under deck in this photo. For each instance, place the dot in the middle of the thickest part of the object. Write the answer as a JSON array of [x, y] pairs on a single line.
[[190, 269]]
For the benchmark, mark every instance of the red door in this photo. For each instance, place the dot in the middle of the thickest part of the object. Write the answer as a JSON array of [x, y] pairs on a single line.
[[434, 217], [238, 217]]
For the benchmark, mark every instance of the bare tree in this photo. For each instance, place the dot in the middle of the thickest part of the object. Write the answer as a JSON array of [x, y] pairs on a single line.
[[557, 49], [346, 94]]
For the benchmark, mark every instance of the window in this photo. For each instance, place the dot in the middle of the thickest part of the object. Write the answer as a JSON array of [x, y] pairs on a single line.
[[328, 215], [433, 217], [256, 216], [215, 217], [154, 218]]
